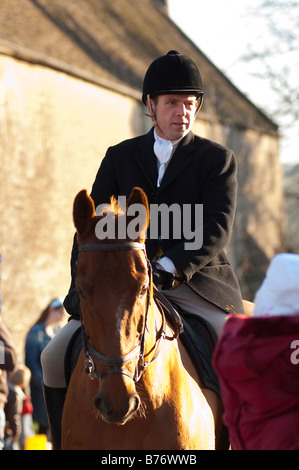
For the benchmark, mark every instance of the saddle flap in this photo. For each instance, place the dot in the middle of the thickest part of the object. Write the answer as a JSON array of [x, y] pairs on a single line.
[[72, 353]]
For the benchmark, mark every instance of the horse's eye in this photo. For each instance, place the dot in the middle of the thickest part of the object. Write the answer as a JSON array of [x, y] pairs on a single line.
[[143, 290]]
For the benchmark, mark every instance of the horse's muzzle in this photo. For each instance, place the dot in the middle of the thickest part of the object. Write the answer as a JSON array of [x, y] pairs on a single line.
[[118, 414]]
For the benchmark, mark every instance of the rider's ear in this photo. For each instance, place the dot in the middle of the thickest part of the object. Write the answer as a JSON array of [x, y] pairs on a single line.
[[83, 213]]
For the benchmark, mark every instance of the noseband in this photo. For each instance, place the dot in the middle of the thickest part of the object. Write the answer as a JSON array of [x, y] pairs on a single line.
[[116, 364]]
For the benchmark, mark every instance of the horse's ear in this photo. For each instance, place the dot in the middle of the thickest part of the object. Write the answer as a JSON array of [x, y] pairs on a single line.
[[83, 212], [139, 197]]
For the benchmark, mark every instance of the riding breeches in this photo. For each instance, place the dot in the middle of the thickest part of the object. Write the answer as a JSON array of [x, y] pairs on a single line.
[[189, 301], [52, 357], [182, 296]]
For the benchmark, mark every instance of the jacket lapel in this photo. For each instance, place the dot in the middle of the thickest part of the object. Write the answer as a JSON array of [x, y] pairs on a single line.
[[146, 158]]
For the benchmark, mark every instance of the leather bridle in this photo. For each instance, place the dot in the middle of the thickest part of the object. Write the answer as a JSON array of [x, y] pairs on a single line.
[[116, 364]]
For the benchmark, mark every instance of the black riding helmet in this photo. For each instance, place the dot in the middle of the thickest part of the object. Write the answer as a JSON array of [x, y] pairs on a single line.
[[172, 73]]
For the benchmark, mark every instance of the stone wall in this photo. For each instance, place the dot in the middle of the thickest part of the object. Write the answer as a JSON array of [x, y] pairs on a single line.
[[291, 185], [54, 131], [259, 228]]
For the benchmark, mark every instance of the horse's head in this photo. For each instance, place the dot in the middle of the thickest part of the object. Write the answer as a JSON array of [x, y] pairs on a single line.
[[112, 281]]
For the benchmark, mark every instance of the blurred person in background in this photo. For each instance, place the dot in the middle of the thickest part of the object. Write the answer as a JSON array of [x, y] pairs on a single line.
[[8, 362], [18, 409], [39, 335]]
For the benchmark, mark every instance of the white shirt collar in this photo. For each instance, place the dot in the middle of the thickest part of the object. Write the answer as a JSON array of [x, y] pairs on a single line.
[[163, 149]]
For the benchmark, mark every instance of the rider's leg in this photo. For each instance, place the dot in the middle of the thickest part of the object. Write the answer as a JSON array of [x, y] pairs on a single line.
[[54, 400], [189, 301], [52, 359]]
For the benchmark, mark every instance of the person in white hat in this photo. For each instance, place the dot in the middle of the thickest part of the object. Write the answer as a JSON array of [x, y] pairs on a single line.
[[279, 292]]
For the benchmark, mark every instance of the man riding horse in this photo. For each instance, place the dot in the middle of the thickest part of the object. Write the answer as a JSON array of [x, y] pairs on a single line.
[[172, 166]]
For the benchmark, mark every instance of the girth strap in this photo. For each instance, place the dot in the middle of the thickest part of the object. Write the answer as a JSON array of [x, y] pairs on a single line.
[[172, 315]]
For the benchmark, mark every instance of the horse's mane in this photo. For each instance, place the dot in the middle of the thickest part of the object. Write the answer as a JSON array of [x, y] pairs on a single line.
[[113, 207]]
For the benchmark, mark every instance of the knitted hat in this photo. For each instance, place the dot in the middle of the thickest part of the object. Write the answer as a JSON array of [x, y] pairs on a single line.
[[279, 292], [56, 303]]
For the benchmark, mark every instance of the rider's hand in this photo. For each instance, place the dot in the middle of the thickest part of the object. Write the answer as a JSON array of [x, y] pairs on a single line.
[[162, 278], [71, 303]]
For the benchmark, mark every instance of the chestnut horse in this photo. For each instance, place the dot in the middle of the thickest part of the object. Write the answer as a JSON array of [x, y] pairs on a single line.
[[145, 393]]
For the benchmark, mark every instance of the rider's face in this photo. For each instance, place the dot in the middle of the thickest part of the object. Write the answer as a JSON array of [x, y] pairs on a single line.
[[175, 115]]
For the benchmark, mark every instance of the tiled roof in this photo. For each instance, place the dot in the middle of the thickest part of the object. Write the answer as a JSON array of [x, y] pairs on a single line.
[[116, 41]]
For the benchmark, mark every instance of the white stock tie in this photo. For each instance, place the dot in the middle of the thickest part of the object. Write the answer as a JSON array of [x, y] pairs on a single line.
[[163, 151]]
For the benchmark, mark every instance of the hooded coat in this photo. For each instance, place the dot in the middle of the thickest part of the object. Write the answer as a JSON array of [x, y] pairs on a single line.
[[8, 360], [257, 363]]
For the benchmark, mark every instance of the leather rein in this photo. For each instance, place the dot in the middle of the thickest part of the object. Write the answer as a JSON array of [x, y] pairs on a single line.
[[116, 364]]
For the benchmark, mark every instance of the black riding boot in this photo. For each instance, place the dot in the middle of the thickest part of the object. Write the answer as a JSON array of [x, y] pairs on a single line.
[[54, 400]]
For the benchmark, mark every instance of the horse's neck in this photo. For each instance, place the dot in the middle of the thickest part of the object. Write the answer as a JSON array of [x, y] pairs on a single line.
[[166, 368]]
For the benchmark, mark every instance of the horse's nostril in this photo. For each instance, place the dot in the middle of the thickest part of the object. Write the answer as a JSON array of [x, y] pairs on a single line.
[[135, 403], [97, 402], [102, 405], [118, 413]]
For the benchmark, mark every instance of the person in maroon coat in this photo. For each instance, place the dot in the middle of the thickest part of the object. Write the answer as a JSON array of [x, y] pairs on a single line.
[[174, 167], [257, 363]]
